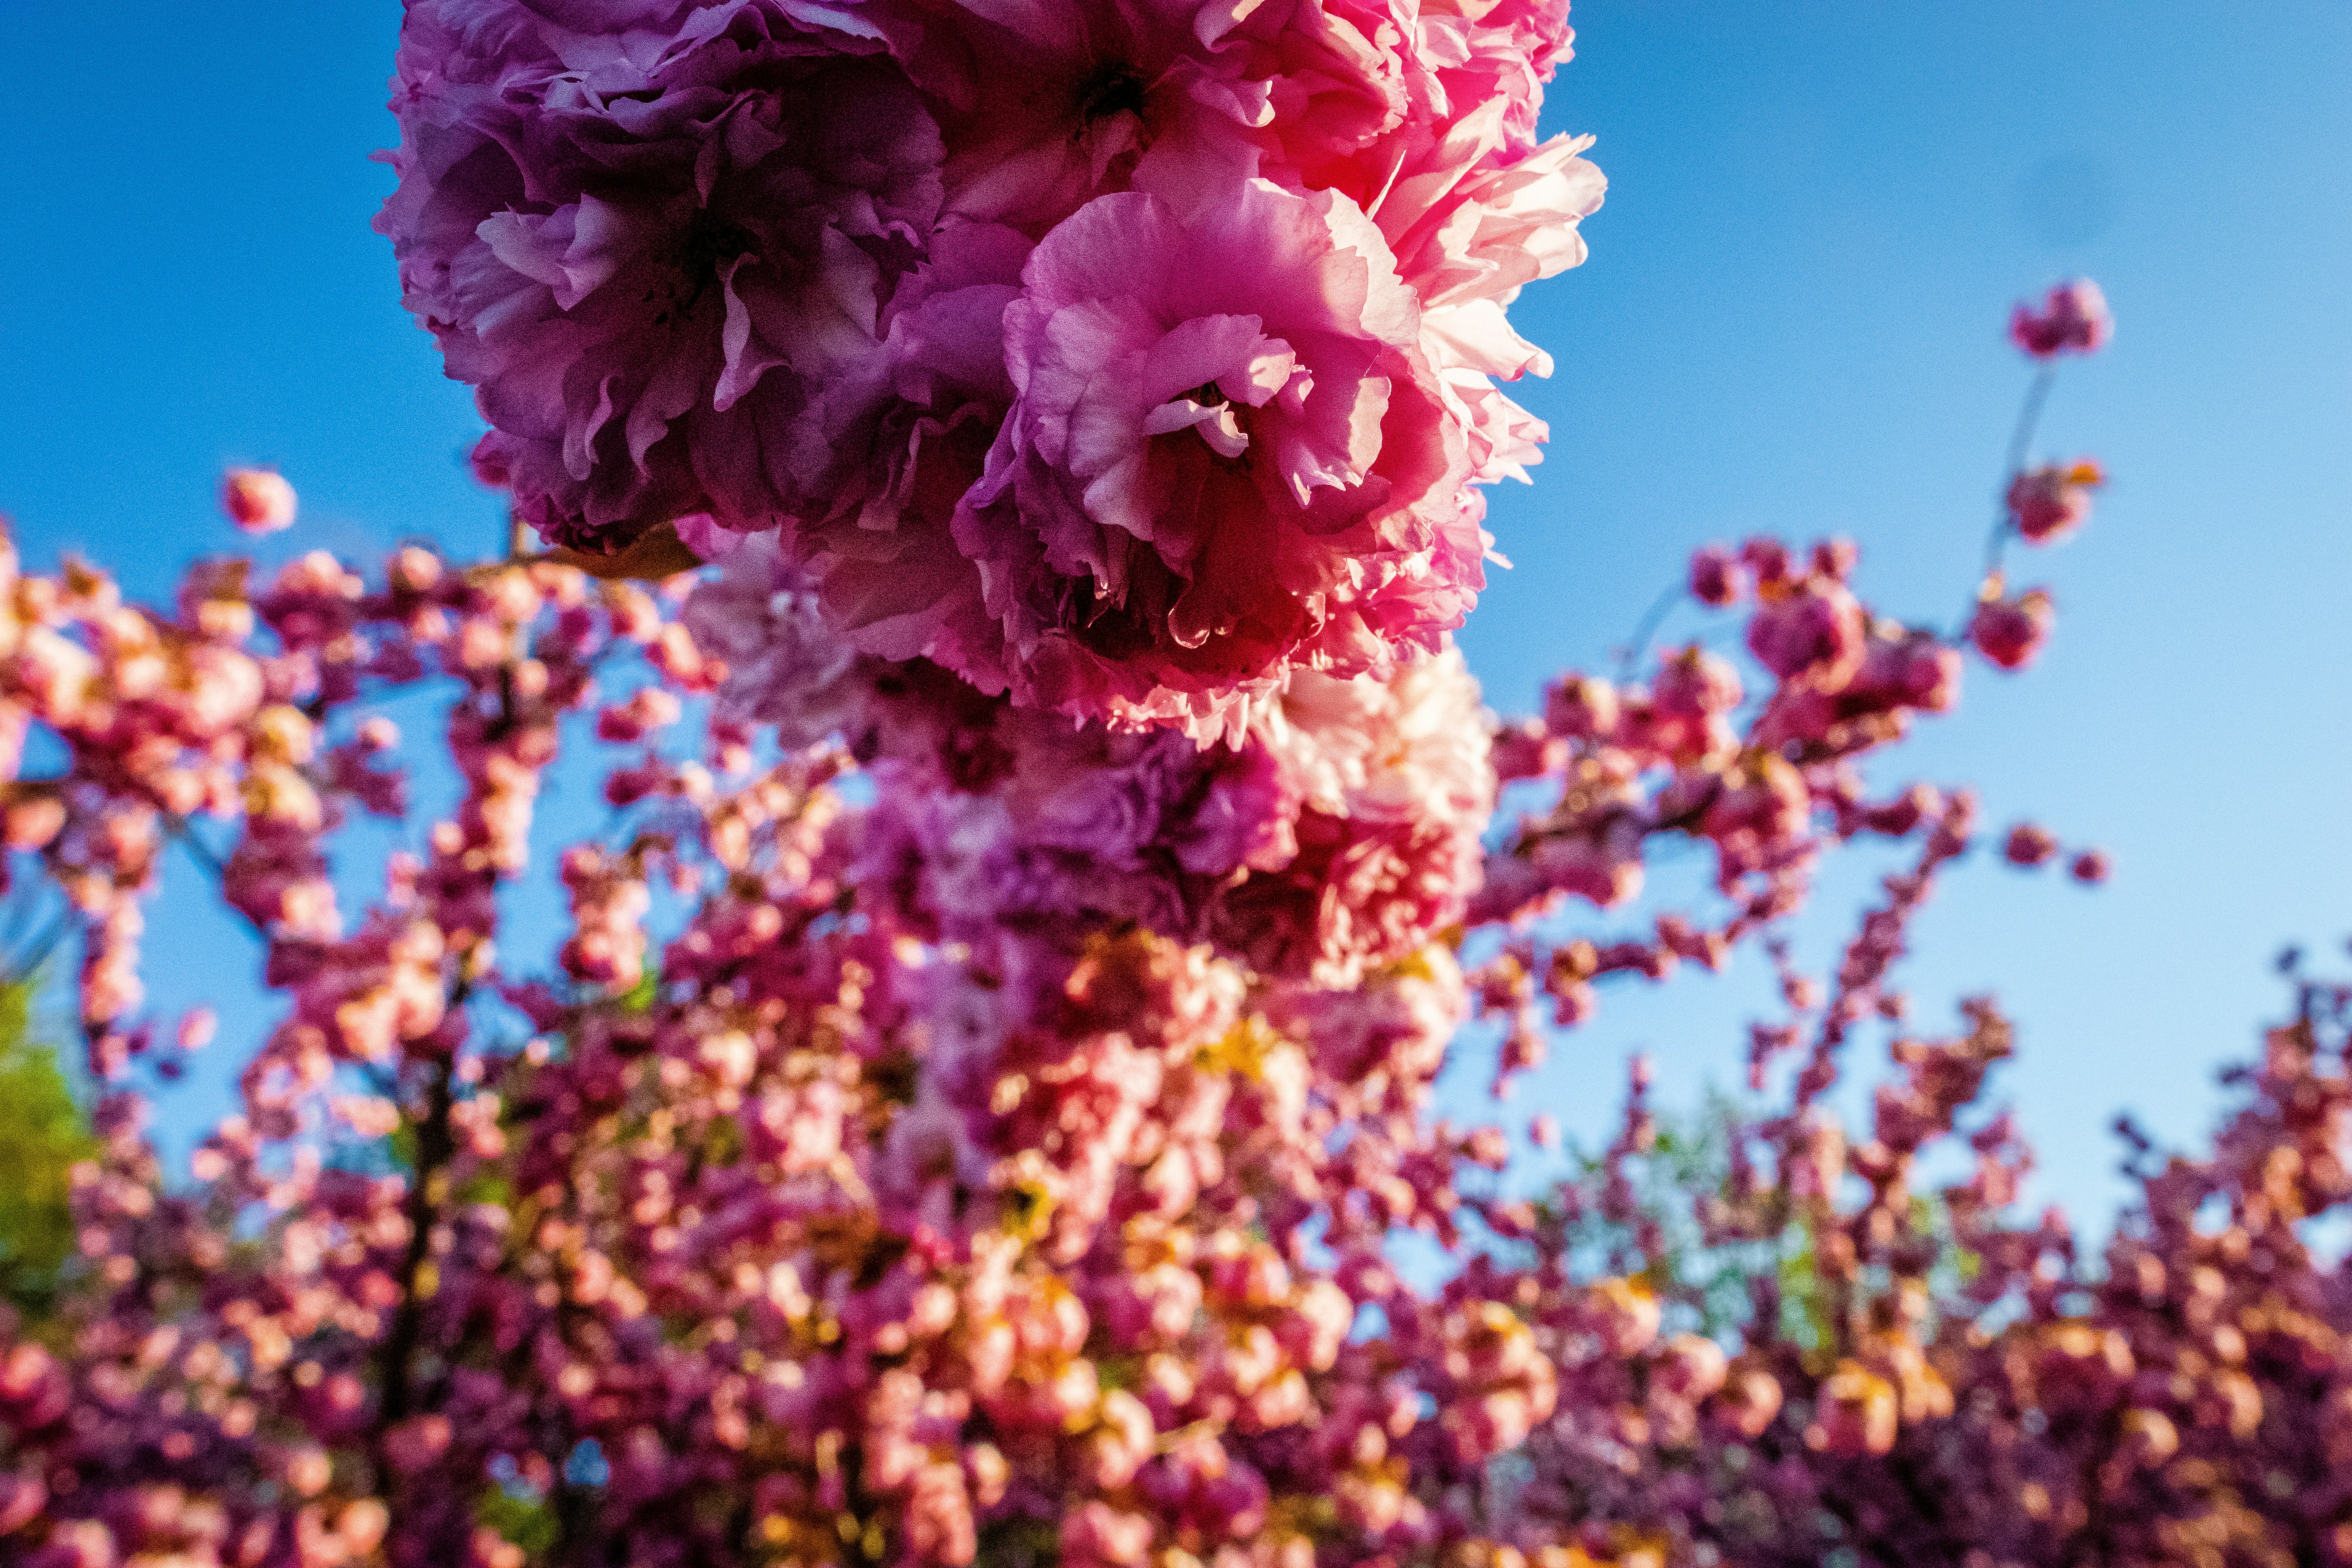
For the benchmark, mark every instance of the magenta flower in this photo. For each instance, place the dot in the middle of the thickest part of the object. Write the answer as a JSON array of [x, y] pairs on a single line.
[[1815, 633], [1224, 434], [2011, 632], [2028, 845], [1073, 100], [664, 278], [2047, 503], [746, 267], [2074, 319], [1718, 577], [258, 500]]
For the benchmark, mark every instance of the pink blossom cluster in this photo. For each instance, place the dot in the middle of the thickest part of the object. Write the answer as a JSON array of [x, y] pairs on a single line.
[[1339, 834], [1120, 359], [942, 1129], [839, 1205], [1822, 1354]]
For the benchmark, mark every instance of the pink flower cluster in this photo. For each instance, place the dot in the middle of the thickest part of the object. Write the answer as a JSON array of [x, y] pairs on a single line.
[[944, 1129], [865, 1196], [1339, 835], [1825, 1357], [1120, 359]]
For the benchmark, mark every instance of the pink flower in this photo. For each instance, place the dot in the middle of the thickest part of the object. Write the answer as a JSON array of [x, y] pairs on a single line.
[[1075, 99], [2009, 632], [258, 500], [759, 265], [1718, 577], [1856, 1412], [786, 666], [1341, 834], [2090, 867], [1815, 633], [2074, 319], [2047, 503], [1225, 434], [1103, 1537], [1396, 780], [1581, 708], [2028, 845], [663, 279]]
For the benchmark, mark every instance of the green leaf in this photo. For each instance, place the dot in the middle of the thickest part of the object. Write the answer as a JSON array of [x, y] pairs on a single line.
[[44, 1133]]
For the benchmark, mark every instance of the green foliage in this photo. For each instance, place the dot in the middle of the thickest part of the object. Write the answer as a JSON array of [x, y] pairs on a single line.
[[1705, 1284], [44, 1131], [521, 1519], [638, 1000]]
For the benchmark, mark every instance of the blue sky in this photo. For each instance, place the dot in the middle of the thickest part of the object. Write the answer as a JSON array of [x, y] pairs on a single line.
[[1820, 213]]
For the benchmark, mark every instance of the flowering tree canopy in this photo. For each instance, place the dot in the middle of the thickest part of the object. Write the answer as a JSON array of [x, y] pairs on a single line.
[[1051, 851]]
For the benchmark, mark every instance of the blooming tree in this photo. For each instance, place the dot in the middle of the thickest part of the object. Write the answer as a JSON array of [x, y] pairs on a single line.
[[1009, 474]]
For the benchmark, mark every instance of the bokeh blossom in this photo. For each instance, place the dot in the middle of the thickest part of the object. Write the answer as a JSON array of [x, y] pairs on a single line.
[[2073, 318], [258, 501], [2047, 503]]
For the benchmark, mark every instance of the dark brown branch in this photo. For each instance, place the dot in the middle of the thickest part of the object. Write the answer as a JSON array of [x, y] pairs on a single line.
[[435, 1145]]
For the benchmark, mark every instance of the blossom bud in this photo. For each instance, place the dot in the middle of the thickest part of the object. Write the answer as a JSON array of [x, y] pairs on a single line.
[[1816, 633], [2090, 867], [2052, 501], [197, 1026], [2074, 319], [1581, 708], [258, 500], [1835, 558], [2028, 845], [1718, 577], [1694, 684], [2011, 632]]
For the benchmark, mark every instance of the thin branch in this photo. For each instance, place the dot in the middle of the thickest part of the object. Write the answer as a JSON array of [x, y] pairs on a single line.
[[1645, 628], [2021, 451], [25, 967], [435, 1145], [198, 850]]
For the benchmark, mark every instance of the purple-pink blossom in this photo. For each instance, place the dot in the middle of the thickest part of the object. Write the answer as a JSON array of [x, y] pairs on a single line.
[[2073, 318], [756, 267]]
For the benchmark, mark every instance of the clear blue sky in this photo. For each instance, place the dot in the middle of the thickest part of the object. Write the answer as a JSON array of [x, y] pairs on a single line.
[[1819, 215]]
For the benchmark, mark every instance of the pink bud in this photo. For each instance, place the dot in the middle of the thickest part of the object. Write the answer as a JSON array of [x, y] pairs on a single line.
[[1581, 708], [1768, 560], [1718, 577], [2090, 867], [1836, 558], [197, 1026], [1817, 633], [2074, 319], [2011, 632], [258, 500], [1694, 684], [2050, 502], [1525, 750], [2029, 845]]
